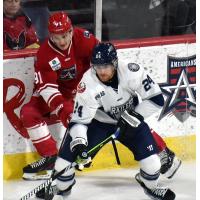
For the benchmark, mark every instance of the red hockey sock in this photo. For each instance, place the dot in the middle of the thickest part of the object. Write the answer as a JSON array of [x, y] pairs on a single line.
[[159, 141], [46, 147]]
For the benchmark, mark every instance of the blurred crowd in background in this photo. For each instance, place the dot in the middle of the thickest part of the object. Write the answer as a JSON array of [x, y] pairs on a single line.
[[25, 21]]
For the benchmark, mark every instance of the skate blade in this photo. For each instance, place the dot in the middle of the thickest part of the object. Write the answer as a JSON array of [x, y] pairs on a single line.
[[37, 176], [173, 169]]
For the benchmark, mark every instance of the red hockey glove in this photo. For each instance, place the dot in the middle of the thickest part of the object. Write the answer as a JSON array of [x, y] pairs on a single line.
[[64, 112]]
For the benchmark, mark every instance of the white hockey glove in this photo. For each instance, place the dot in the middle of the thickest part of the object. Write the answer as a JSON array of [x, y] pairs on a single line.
[[78, 148]]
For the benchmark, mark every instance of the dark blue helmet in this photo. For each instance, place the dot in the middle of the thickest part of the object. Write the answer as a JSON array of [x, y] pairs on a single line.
[[103, 54]]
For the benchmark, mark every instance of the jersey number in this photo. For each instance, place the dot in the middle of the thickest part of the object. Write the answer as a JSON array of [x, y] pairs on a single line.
[[147, 83], [78, 109], [38, 78]]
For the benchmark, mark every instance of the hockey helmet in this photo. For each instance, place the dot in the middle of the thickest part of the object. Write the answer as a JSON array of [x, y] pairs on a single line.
[[59, 23], [104, 54]]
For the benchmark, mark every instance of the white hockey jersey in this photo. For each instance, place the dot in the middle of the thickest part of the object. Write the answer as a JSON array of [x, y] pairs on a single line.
[[96, 100]]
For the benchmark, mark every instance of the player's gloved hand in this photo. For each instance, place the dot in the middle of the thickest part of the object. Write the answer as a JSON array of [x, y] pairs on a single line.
[[130, 118], [65, 112], [79, 151]]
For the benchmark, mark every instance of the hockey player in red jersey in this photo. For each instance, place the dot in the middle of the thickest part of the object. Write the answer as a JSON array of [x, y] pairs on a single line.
[[60, 63]]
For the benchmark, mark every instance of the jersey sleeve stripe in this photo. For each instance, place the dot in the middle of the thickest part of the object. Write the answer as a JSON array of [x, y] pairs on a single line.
[[52, 97], [48, 92], [47, 85]]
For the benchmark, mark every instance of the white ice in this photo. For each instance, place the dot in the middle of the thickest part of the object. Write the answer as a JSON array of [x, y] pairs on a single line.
[[118, 184]]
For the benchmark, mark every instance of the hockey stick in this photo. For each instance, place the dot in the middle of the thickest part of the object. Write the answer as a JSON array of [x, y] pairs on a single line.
[[56, 175], [116, 152]]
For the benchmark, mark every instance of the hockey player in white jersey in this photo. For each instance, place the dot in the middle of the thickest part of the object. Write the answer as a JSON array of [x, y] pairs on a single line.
[[105, 101]]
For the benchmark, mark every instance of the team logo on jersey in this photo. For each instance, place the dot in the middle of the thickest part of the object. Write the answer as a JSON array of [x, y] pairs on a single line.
[[133, 67], [55, 64], [68, 74], [117, 110], [180, 89], [86, 34], [81, 87]]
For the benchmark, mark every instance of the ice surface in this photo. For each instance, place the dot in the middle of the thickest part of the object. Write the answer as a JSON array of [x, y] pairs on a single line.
[[118, 184]]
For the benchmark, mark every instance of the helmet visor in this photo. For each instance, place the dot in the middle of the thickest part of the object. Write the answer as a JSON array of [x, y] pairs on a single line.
[[101, 66]]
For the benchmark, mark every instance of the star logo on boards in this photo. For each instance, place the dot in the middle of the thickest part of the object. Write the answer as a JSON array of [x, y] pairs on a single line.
[[180, 89]]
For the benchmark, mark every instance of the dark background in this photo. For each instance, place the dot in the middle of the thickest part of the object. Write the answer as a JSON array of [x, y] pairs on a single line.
[[129, 19]]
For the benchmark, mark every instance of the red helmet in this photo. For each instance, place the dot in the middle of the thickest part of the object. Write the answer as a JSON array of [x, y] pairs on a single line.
[[59, 22]]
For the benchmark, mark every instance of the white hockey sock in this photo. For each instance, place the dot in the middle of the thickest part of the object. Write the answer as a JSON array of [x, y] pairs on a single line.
[[150, 170], [67, 178]]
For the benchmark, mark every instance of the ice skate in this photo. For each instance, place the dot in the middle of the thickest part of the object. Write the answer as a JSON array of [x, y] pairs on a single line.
[[39, 170], [169, 163], [158, 193], [54, 193]]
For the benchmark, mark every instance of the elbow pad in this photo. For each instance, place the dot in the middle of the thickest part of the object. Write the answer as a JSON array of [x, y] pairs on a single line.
[[147, 108]]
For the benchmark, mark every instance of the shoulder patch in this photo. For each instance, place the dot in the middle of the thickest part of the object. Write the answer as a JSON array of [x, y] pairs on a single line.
[[55, 64], [81, 87], [133, 67], [86, 34]]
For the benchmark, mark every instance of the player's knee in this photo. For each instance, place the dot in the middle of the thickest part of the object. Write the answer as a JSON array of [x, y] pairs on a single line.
[[150, 170], [151, 164]]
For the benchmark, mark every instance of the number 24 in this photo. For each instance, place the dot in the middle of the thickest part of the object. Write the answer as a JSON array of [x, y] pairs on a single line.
[[147, 83], [78, 109]]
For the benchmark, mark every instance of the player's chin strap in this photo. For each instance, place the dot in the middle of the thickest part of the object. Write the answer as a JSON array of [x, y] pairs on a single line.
[[55, 175]]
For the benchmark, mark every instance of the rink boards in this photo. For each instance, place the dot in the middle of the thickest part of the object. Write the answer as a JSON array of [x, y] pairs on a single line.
[[170, 61]]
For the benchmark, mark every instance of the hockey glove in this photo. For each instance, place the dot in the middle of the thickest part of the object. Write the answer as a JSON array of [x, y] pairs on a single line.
[[79, 151], [131, 118], [64, 112]]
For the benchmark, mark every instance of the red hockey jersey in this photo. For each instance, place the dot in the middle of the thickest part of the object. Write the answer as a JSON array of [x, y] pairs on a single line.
[[57, 72]]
